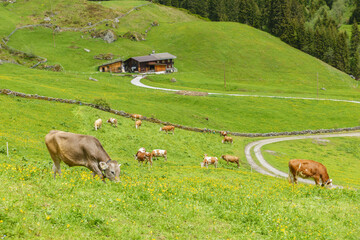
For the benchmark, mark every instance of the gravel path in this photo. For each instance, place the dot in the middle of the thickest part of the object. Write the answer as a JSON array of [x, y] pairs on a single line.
[[137, 82], [267, 169]]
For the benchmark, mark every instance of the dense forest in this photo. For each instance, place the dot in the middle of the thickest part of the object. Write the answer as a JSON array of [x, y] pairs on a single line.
[[312, 26]]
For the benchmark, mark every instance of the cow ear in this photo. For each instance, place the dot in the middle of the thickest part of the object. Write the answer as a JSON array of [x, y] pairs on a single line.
[[103, 166], [119, 164]]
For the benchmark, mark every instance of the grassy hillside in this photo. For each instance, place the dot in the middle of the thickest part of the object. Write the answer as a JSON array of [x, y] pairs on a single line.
[[175, 199], [249, 115], [254, 61]]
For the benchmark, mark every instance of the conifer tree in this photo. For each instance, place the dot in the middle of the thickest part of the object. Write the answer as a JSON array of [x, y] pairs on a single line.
[[354, 51]]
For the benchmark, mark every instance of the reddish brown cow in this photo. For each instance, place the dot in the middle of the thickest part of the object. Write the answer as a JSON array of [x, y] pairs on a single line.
[[168, 129], [136, 116], [143, 157], [227, 139], [232, 159], [308, 169]]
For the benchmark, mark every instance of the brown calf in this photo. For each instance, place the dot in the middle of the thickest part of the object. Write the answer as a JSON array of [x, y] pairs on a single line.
[[136, 116], [168, 129], [227, 139], [138, 124], [232, 159], [308, 169]]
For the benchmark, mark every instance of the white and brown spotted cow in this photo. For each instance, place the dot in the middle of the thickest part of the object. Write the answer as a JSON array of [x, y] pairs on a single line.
[[138, 124], [97, 124], [112, 121], [158, 153], [209, 160]]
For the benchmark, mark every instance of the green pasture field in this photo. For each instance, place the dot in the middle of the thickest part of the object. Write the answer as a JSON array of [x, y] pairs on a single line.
[[339, 155], [203, 49], [238, 114], [173, 199]]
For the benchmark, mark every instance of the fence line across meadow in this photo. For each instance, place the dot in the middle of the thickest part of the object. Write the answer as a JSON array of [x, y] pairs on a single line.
[[187, 128]]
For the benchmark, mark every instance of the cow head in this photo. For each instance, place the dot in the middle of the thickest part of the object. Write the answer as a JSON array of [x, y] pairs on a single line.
[[328, 183], [111, 170], [160, 129], [202, 164]]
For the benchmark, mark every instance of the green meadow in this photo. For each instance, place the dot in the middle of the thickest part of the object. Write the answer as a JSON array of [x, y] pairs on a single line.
[[339, 155], [173, 199], [176, 199]]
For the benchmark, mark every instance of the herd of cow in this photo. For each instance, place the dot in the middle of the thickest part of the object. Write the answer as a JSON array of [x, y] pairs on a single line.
[[83, 150]]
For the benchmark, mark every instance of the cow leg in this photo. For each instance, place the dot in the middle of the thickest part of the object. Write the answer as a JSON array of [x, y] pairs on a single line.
[[317, 179], [97, 171], [56, 168], [238, 164], [165, 158], [56, 165]]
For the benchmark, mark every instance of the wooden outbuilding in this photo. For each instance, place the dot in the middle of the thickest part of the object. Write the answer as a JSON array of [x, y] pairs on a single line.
[[155, 62], [116, 66]]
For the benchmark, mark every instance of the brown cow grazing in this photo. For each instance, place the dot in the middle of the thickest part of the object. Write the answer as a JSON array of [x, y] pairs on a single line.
[[308, 169], [223, 133], [209, 160], [142, 157], [112, 121], [136, 116], [81, 150], [97, 124], [168, 129], [232, 159], [138, 124], [227, 139], [158, 153]]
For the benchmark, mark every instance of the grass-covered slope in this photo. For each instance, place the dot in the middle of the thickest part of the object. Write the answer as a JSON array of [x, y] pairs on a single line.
[[249, 114], [175, 199], [254, 61]]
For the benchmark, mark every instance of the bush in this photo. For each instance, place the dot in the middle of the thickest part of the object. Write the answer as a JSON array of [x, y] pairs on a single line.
[[101, 103]]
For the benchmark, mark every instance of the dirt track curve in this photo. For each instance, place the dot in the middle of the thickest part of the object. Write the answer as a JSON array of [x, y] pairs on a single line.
[[267, 169]]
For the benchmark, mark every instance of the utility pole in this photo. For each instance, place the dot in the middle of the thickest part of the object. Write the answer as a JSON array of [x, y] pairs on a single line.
[[317, 79], [224, 77]]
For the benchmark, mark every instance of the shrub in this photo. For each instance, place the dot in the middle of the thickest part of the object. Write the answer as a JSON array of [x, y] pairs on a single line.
[[101, 103]]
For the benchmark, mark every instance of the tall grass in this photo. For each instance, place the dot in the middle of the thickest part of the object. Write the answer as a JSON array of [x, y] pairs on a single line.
[[174, 199]]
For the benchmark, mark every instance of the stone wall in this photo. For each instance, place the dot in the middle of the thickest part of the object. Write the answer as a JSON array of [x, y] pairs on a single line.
[[154, 120]]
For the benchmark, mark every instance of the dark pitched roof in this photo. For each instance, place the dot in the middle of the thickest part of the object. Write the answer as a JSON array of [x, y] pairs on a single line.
[[154, 57]]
